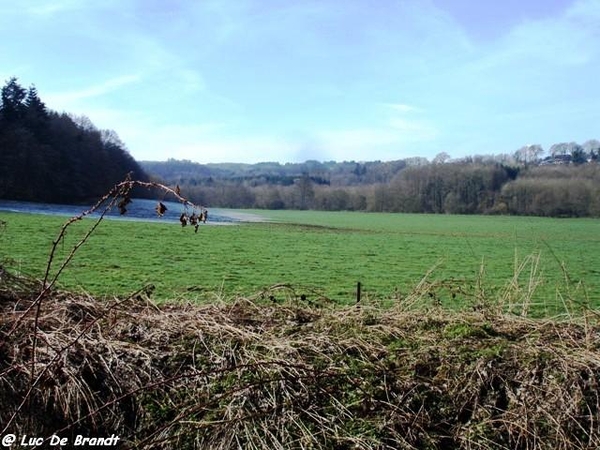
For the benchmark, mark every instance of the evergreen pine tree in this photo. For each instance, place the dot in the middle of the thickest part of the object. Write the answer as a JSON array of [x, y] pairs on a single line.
[[13, 101]]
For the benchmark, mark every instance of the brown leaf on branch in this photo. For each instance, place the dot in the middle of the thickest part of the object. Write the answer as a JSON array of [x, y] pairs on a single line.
[[123, 203], [160, 209]]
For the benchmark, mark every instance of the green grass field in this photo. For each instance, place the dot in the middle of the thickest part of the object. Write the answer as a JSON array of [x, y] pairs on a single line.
[[322, 254]]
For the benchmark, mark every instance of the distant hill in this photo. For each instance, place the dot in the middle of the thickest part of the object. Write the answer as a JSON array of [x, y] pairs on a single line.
[[273, 173], [566, 183], [56, 157]]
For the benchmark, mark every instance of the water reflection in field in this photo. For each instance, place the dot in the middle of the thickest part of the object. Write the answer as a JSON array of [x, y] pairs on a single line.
[[138, 209]]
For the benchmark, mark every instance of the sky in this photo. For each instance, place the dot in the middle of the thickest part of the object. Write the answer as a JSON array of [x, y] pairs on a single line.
[[292, 80]]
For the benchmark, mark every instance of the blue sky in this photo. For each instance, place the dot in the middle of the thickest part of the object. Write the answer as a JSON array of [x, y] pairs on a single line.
[[287, 81]]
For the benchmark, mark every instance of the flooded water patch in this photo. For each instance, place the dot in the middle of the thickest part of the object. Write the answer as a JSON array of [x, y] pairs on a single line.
[[138, 209]]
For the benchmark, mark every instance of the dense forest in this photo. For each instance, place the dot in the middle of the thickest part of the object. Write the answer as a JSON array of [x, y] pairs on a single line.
[[56, 157], [564, 183]]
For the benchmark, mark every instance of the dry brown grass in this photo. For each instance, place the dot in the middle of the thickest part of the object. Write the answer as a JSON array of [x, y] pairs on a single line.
[[251, 374]]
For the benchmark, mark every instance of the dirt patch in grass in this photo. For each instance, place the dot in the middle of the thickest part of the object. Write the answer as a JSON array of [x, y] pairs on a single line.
[[251, 374]]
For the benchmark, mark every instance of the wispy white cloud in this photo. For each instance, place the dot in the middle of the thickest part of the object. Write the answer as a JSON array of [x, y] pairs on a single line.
[[156, 140], [96, 90], [402, 107], [191, 80], [586, 11], [49, 7], [45, 8], [572, 39], [398, 138], [413, 130]]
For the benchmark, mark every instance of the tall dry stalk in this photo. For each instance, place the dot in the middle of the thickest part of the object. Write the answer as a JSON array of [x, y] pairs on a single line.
[[517, 296], [119, 195]]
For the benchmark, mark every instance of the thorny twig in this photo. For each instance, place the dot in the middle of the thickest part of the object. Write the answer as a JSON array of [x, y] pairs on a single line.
[[120, 190]]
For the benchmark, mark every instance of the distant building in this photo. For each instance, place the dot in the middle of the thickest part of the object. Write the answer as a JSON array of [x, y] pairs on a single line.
[[556, 160]]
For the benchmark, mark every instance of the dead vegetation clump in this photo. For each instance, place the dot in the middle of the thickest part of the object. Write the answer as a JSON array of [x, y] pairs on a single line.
[[247, 374]]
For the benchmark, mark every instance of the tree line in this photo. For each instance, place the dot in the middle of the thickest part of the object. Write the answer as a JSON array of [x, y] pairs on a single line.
[[48, 156], [561, 184], [58, 157]]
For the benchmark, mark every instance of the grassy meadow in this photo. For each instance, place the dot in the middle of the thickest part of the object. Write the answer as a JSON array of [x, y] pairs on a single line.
[[429, 359], [541, 264]]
